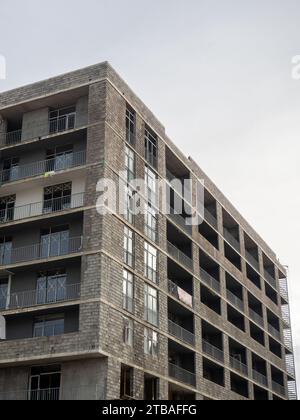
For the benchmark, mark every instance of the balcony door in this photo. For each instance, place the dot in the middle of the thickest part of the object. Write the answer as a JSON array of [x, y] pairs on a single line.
[[10, 169], [62, 119], [55, 242], [57, 197], [7, 207], [5, 250], [3, 293], [44, 386], [51, 287], [59, 159]]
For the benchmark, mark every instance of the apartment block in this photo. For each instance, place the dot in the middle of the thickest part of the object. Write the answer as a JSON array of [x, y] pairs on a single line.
[[123, 305]]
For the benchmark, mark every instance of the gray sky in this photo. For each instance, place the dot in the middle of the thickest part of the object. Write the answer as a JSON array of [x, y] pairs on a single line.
[[217, 73]]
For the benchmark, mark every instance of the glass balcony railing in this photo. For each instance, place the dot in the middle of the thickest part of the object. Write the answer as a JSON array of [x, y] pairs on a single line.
[[212, 351], [181, 333], [210, 281], [182, 375], [180, 256], [180, 294]]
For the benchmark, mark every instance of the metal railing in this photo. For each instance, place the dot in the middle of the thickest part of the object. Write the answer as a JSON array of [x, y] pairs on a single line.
[[273, 331], [210, 281], [183, 190], [57, 164], [89, 393], [52, 295], [43, 207], [256, 317], [41, 251], [180, 221], [212, 351], [252, 260], [13, 137], [270, 279], [180, 294], [238, 366], [279, 389], [180, 256], [236, 301], [259, 378], [232, 240], [210, 218], [62, 123], [181, 333], [182, 375]]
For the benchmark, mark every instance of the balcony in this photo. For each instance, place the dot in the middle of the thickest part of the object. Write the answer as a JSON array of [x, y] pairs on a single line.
[[213, 351], [41, 251], [50, 296], [54, 205], [210, 281], [83, 393], [279, 389], [13, 137], [270, 279], [59, 163], [62, 123], [238, 366], [256, 317], [274, 332], [180, 294], [237, 302], [182, 375], [260, 378], [180, 221], [182, 334], [210, 218], [232, 240], [180, 256]]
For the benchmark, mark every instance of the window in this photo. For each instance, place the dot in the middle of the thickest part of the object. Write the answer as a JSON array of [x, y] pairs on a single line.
[[128, 331], [10, 169], [59, 158], [128, 291], [150, 186], [130, 125], [57, 197], [151, 305], [150, 260], [150, 342], [129, 164], [62, 119], [3, 293], [126, 391], [48, 326], [151, 388], [129, 205], [44, 383], [5, 250], [128, 246], [55, 241], [51, 287], [7, 208], [150, 222], [151, 147]]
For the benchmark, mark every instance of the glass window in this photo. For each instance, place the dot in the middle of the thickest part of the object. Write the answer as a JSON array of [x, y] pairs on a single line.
[[130, 125], [128, 246], [128, 291], [129, 205], [129, 164], [150, 342], [150, 261], [150, 222], [7, 208], [126, 382], [151, 305], [48, 327], [128, 331], [150, 185], [151, 147], [57, 197]]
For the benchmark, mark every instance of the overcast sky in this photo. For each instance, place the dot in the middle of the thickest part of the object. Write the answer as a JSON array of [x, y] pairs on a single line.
[[217, 73]]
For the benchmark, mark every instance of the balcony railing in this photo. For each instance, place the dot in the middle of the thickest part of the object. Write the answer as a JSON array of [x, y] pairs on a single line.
[[236, 301], [41, 251], [13, 137], [252, 260], [273, 331], [180, 256], [259, 378], [279, 389], [62, 123], [60, 163], [256, 317], [210, 281], [89, 393], [180, 187], [270, 279], [232, 240], [238, 366], [180, 294], [182, 375], [48, 296], [54, 205], [181, 333], [210, 218], [213, 351], [180, 221]]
